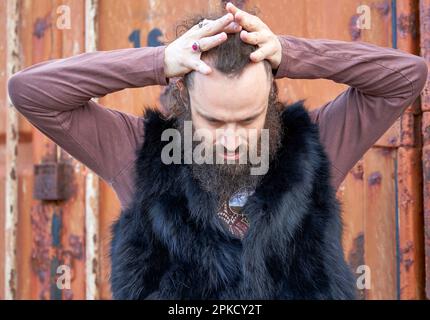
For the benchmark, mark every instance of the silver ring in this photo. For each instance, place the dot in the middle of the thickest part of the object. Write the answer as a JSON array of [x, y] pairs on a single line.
[[202, 23]]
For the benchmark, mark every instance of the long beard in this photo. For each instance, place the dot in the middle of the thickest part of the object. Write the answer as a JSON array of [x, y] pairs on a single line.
[[223, 179]]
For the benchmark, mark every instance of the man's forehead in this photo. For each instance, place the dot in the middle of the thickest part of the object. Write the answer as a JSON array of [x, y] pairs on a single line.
[[251, 72], [219, 95]]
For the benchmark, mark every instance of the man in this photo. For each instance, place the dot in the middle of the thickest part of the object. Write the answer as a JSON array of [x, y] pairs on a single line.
[[284, 240]]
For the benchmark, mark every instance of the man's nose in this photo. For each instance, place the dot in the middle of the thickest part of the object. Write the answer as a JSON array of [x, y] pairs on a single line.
[[230, 140]]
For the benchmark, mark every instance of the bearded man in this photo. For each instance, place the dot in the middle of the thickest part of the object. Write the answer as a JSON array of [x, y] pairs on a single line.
[[199, 230]]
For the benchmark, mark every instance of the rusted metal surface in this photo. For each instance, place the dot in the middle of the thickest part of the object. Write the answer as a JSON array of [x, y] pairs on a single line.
[[356, 258], [408, 173], [391, 138], [380, 222], [11, 210], [41, 249], [352, 191], [92, 181], [426, 194], [402, 143], [92, 236], [73, 235], [58, 226], [43, 213], [425, 107], [410, 253]]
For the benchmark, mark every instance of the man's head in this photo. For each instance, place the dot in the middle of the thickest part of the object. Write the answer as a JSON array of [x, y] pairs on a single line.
[[234, 96], [238, 97]]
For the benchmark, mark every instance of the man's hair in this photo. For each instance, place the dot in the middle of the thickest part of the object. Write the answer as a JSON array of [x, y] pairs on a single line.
[[230, 58]]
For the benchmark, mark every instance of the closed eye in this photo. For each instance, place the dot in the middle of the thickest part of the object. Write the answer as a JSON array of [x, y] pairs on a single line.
[[214, 122], [248, 120]]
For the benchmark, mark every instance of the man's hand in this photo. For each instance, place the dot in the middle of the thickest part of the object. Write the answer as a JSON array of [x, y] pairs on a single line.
[[256, 32], [179, 58]]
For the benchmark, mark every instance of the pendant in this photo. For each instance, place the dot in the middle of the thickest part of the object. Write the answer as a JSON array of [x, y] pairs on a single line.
[[238, 199]]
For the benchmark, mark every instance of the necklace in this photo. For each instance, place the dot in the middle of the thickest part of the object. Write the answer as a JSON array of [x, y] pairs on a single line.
[[231, 211], [238, 200]]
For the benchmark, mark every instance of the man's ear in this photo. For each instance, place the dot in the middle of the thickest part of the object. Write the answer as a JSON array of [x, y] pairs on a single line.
[[181, 85]]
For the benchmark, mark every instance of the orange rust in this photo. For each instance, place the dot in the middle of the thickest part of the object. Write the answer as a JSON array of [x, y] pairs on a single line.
[[407, 25], [357, 172], [356, 258]]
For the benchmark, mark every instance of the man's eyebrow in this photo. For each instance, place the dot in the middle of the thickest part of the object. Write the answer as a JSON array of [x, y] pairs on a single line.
[[207, 117], [254, 116]]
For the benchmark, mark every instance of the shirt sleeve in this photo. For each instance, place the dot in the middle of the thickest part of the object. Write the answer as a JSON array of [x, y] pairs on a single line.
[[56, 97], [382, 82]]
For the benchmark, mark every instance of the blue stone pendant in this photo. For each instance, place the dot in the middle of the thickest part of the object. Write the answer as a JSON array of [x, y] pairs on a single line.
[[238, 199]]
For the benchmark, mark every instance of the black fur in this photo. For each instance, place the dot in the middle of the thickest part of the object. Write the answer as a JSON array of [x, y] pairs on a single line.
[[170, 244]]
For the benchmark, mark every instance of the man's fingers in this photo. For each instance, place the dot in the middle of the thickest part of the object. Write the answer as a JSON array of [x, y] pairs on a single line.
[[231, 8], [233, 27], [245, 19], [212, 41], [199, 66], [215, 26], [254, 38], [260, 54], [248, 22]]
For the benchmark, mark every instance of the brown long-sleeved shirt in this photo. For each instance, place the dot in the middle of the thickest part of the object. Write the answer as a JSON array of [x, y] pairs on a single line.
[[55, 96]]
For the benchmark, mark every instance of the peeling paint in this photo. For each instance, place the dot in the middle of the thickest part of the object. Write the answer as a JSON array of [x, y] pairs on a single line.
[[41, 246], [12, 284], [56, 228], [357, 171], [13, 63], [13, 174], [91, 181], [55, 292], [356, 257], [406, 261], [40, 27], [354, 31], [392, 140], [76, 247], [407, 25], [383, 8]]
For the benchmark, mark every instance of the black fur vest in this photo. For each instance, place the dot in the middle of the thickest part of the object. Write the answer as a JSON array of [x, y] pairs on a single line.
[[170, 243]]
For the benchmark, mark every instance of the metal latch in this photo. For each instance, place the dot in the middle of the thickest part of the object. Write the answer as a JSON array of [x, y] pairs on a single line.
[[51, 180]]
